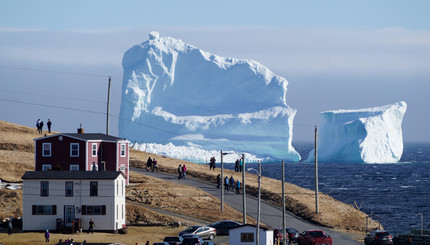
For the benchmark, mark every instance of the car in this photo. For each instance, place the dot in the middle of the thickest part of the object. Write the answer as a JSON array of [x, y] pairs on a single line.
[[223, 226], [203, 231], [173, 240], [192, 239], [314, 237], [292, 234], [378, 237], [160, 243]]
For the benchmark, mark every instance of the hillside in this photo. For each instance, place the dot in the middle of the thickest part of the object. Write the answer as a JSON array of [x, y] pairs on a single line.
[[17, 156]]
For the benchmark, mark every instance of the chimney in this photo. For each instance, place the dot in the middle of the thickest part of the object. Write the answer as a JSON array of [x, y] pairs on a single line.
[[80, 129], [102, 166]]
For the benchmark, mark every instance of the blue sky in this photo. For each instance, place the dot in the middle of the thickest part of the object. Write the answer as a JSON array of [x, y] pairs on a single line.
[[335, 54]]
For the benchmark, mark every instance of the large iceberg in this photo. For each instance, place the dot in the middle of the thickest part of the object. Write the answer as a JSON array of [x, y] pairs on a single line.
[[372, 135], [176, 93]]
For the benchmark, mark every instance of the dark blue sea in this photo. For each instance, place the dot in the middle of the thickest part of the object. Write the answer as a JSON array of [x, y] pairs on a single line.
[[394, 193]]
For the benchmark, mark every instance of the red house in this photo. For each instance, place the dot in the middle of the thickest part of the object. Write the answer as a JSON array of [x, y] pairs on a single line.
[[82, 152]]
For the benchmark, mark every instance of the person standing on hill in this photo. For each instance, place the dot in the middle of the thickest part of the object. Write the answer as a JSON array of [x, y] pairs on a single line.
[[49, 124], [38, 125], [240, 165], [180, 171], [41, 127], [218, 181], [236, 166], [154, 164], [149, 164]]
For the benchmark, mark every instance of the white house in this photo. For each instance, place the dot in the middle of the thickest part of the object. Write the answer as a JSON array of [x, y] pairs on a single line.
[[73, 195], [246, 235]]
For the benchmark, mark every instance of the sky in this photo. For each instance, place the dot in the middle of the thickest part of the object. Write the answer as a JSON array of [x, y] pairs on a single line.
[[56, 56]]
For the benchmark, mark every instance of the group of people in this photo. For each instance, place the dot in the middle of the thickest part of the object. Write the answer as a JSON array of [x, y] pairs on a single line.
[[151, 164], [229, 183], [238, 165], [212, 163], [39, 126], [182, 171]]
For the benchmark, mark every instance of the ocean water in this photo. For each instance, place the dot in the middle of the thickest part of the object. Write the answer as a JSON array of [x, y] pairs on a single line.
[[393, 193]]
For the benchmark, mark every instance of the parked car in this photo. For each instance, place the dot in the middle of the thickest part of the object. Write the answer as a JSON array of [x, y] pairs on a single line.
[[173, 240], [316, 237], [191, 239], [204, 232], [208, 243], [223, 226], [378, 237], [292, 234], [160, 243]]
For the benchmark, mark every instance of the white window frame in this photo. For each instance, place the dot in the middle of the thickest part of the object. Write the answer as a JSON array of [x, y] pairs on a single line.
[[122, 168], [74, 167], [122, 151], [71, 149], [94, 145], [43, 149], [46, 167]]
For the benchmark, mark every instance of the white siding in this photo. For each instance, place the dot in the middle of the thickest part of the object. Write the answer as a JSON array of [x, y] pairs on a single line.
[[266, 236], [81, 196]]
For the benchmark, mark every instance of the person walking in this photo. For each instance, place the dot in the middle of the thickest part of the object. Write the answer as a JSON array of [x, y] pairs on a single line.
[[9, 228], [49, 123], [226, 184], [180, 171], [91, 226], [214, 163], [154, 165], [238, 187], [231, 183], [148, 164], [47, 236], [236, 166], [38, 125], [184, 171], [218, 181]]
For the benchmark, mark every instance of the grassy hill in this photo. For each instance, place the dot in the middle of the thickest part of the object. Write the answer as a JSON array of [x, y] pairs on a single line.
[[17, 156]]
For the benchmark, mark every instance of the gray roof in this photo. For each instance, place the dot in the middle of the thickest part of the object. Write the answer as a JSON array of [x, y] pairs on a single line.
[[93, 136], [71, 174]]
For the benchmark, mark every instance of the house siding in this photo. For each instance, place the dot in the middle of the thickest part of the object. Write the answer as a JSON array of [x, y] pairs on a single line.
[[108, 195]]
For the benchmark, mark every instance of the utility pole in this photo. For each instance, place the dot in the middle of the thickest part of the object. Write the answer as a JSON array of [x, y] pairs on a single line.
[[243, 190], [222, 182], [316, 171], [108, 104], [284, 225], [259, 200]]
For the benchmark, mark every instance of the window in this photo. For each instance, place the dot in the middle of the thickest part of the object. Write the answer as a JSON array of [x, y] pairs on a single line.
[[74, 167], [122, 187], [94, 154], [117, 187], [123, 150], [44, 209], [46, 167], [74, 149], [44, 188], [69, 188], [122, 168], [246, 237], [93, 209], [46, 149], [93, 188], [117, 211], [123, 211]]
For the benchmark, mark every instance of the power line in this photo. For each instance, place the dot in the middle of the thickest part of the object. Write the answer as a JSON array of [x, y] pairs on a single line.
[[51, 71]]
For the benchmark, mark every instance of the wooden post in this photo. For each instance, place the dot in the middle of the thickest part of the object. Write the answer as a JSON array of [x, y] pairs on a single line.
[[316, 171], [243, 190], [108, 104]]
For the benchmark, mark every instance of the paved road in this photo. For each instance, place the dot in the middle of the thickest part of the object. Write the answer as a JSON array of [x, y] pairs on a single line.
[[269, 215]]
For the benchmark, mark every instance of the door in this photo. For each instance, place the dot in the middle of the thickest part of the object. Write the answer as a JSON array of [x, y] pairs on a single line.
[[69, 215]]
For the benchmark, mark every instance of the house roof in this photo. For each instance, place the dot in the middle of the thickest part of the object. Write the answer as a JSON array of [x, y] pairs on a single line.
[[72, 174], [261, 227], [87, 136]]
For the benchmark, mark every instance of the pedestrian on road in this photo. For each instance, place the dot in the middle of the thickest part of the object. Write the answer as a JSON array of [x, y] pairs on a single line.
[[47, 236], [180, 171], [9, 228], [231, 183], [226, 184], [149, 164], [91, 226], [49, 123], [218, 181], [184, 171], [155, 165], [237, 187]]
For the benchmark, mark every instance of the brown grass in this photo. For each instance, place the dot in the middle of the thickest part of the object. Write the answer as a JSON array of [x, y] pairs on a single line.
[[17, 156]]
